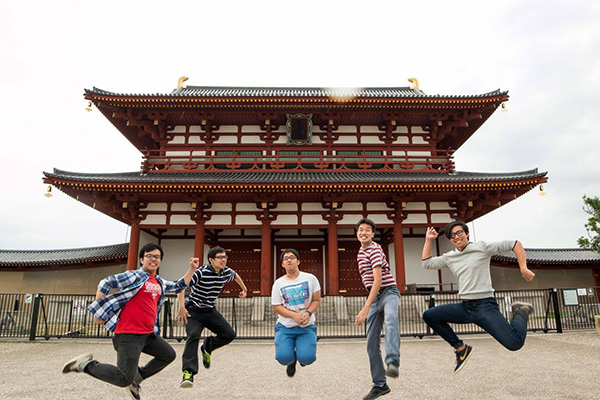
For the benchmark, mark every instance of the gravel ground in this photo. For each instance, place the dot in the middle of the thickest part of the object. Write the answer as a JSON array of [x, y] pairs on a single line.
[[558, 366]]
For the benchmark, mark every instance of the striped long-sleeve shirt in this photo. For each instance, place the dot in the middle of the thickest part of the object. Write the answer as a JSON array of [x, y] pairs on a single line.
[[108, 308], [371, 257], [206, 285]]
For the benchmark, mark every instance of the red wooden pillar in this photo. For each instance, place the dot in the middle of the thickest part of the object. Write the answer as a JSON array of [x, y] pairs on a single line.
[[134, 246], [333, 274], [199, 240], [266, 260], [399, 255]]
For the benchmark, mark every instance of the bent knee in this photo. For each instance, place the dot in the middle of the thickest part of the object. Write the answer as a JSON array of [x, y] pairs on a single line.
[[284, 359], [307, 360], [515, 346]]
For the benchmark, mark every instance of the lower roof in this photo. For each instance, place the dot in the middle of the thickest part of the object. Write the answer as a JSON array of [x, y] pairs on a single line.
[[31, 259], [295, 177]]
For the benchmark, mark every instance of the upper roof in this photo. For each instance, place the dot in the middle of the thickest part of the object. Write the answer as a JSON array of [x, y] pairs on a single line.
[[573, 256], [191, 105], [345, 94], [49, 258]]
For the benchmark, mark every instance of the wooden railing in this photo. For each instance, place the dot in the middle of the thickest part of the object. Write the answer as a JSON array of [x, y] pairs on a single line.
[[238, 160]]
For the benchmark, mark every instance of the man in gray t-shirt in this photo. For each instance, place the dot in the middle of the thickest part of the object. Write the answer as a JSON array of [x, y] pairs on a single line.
[[470, 262]]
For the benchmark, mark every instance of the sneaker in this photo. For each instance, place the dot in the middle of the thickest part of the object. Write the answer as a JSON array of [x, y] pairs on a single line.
[[205, 357], [291, 369], [377, 391], [187, 381], [134, 390], [77, 364], [462, 357], [392, 371], [521, 308]]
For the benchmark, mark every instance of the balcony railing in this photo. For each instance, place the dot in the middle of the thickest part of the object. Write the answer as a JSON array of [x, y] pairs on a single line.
[[236, 160]]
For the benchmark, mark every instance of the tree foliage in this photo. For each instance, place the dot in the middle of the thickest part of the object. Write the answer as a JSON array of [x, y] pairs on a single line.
[[591, 205]]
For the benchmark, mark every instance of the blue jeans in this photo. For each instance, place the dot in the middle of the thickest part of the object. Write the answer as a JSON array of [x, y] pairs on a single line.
[[297, 343], [483, 313], [384, 308], [129, 346]]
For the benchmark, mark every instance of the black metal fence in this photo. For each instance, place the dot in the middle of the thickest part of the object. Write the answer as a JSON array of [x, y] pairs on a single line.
[[63, 316]]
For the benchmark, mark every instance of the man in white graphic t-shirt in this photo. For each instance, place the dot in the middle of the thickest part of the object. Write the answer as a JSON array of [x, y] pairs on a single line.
[[295, 297]]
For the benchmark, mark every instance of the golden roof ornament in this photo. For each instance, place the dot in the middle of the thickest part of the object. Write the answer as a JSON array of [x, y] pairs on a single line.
[[415, 83], [180, 81]]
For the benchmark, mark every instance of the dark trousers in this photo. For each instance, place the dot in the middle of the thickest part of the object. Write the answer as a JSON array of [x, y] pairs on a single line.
[[129, 347], [198, 320], [483, 313]]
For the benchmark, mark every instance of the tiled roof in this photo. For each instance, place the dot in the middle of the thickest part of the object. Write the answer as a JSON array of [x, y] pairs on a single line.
[[295, 92], [295, 177], [41, 258], [553, 256]]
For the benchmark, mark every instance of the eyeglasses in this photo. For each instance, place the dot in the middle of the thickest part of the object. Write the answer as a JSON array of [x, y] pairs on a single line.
[[222, 257], [152, 256], [289, 258], [457, 233]]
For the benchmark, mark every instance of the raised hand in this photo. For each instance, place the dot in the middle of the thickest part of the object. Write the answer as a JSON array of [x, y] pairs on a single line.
[[431, 234]]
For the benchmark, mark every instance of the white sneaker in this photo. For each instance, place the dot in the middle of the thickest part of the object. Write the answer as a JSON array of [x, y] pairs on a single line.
[[74, 365]]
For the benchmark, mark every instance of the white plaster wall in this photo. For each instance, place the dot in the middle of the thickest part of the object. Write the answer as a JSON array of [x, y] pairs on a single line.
[[353, 219], [227, 129], [178, 129], [376, 207], [226, 139], [370, 140], [181, 220], [246, 220], [413, 206], [287, 207], [177, 140], [415, 219], [418, 140], [415, 273], [246, 207], [312, 207], [417, 129], [346, 140], [156, 207], [221, 207], [250, 128], [313, 220], [181, 207], [286, 220], [177, 257], [377, 218], [251, 139], [154, 220], [441, 218], [438, 205], [352, 207], [219, 220]]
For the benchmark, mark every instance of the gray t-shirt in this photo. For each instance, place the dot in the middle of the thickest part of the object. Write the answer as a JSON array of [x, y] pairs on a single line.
[[295, 295], [471, 266]]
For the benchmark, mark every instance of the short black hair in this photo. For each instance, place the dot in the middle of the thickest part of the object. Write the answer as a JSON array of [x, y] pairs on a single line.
[[453, 224], [366, 221], [293, 251], [148, 247], [214, 251]]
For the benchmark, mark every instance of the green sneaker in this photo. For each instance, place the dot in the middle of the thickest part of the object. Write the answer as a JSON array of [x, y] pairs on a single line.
[[188, 380], [205, 357]]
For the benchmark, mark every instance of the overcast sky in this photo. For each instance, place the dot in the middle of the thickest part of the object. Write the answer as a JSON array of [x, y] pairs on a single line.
[[546, 54]]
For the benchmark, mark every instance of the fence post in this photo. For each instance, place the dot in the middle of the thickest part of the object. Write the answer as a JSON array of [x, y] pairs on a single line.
[[166, 316], [556, 310], [34, 317]]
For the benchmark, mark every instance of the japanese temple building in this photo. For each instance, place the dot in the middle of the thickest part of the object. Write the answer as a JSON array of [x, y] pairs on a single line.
[[257, 170]]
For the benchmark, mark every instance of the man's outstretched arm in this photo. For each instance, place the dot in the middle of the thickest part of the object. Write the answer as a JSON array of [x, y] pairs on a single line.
[[526, 273]]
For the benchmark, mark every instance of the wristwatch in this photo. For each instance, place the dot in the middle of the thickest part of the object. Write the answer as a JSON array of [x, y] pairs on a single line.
[[309, 313]]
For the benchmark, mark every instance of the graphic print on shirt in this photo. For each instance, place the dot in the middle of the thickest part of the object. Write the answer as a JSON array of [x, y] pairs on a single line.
[[296, 297], [153, 289]]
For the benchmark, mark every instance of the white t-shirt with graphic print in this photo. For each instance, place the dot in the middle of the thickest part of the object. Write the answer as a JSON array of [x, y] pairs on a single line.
[[295, 295]]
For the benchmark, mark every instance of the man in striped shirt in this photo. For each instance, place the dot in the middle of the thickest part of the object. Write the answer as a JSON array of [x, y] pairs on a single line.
[[200, 312], [381, 305]]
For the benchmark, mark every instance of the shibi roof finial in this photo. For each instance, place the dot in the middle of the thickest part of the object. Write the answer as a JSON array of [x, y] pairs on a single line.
[[180, 81], [415, 83]]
